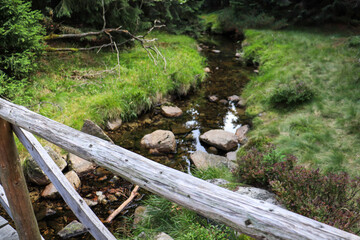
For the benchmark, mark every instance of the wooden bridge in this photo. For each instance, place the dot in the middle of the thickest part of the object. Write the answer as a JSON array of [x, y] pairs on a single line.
[[252, 217]]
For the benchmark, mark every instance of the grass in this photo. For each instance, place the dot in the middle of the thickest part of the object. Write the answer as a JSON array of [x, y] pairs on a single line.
[[324, 131], [72, 87]]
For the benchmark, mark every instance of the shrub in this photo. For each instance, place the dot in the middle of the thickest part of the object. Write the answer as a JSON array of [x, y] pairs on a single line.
[[20, 36], [332, 198], [290, 95]]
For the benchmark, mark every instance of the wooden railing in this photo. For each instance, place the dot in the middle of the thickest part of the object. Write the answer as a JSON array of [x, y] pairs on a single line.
[[255, 218]]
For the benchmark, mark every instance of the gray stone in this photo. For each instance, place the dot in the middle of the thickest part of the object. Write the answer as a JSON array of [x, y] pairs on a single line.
[[50, 190], [213, 98], [207, 70], [159, 141], [90, 202], [73, 229], [231, 156], [259, 194], [93, 129], [114, 124], [218, 181], [34, 172], [139, 214], [212, 150], [234, 98], [216, 51], [223, 101], [170, 111], [220, 139], [241, 133], [203, 160], [163, 236], [79, 165], [241, 103]]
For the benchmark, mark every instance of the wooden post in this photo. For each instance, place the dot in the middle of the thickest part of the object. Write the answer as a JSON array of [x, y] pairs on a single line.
[[13, 181]]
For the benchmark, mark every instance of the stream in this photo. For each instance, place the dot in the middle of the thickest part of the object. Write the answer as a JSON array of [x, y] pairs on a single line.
[[227, 78]]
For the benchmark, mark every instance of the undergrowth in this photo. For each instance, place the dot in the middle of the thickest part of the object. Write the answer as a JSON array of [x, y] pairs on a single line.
[[72, 87], [329, 198], [307, 91]]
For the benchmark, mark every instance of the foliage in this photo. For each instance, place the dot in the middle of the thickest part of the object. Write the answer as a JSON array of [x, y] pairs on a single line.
[[302, 12], [179, 16], [290, 94], [332, 199], [321, 132], [180, 223], [20, 35]]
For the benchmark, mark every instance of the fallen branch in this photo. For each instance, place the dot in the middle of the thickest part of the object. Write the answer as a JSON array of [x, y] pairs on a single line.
[[133, 194]]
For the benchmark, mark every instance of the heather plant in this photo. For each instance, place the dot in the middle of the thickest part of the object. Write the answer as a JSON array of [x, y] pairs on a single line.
[[329, 198]]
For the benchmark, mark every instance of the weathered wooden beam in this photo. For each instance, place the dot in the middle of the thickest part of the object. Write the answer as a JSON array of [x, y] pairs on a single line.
[[13, 181], [252, 217], [79, 207]]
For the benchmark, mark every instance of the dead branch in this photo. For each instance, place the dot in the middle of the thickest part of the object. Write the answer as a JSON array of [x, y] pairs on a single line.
[[133, 194]]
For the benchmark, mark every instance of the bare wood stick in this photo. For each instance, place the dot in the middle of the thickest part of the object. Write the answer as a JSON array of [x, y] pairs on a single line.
[[14, 184], [255, 218], [133, 194]]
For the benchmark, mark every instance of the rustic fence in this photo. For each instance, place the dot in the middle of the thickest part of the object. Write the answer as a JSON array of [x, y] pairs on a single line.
[[255, 218]]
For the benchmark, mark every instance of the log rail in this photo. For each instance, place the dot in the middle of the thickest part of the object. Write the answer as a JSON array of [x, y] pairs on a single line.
[[252, 217]]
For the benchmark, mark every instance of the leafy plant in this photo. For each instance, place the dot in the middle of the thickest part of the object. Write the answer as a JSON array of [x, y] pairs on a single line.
[[20, 36], [329, 198], [291, 94]]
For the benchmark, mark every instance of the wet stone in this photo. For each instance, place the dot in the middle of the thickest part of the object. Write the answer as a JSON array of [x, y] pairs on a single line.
[[79, 165], [159, 142], [112, 198], [170, 111], [90, 202], [220, 139], [223, 101], [114, 124], [212, 150], [216, 51], [234, 98], [93, 129], [72, 230], [207, 70], [213, 98], [34, 172], [204, 160]]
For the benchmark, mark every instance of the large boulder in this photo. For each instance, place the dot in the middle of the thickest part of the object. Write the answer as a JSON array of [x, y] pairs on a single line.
[[91, 128], [169, 111], [259, 194], [79, 165], [220, 139], [34, 172], [159, 142], [50, 190], [203, 160], [241, 133]]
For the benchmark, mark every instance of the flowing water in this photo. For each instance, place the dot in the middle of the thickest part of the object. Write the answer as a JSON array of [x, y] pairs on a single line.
[[227, 78]]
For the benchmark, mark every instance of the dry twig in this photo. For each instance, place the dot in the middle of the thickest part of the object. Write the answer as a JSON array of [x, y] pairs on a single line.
[[133, 194]]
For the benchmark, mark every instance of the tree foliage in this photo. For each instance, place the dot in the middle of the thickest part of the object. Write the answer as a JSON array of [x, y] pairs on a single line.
[[302, 11], [20, 37], [134, 15]]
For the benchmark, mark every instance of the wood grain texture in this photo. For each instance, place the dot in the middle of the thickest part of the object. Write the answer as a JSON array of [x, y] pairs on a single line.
[[8, 233], [13, 181], [252, 217], [5, 204], [77, 204]]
